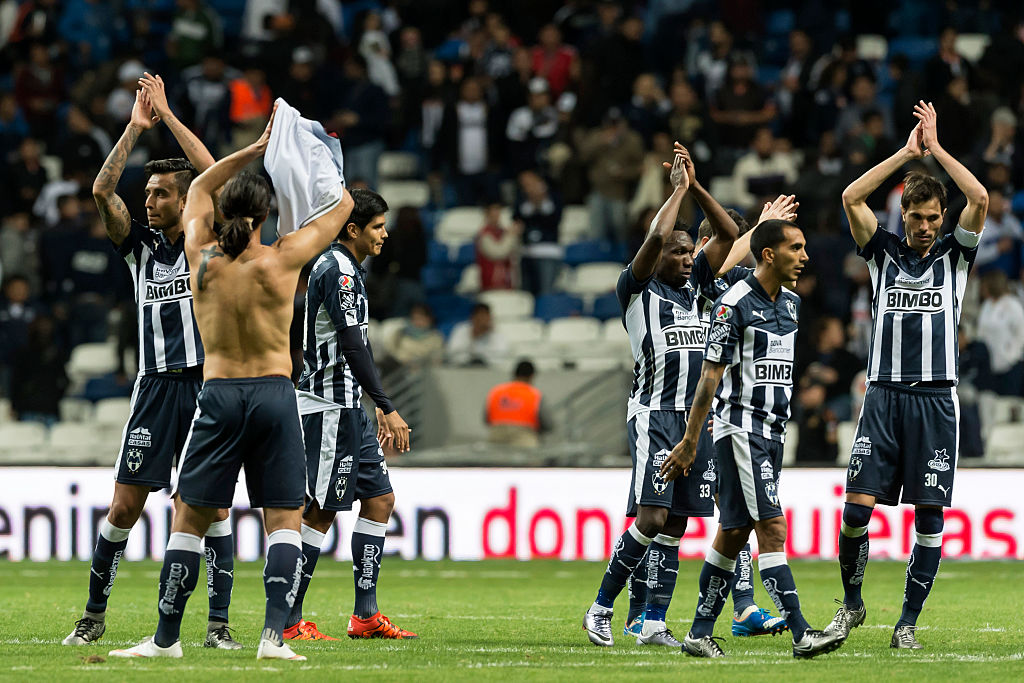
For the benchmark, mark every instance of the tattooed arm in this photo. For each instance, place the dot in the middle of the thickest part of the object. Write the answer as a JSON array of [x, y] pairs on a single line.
[[193, 147], [112, 210]]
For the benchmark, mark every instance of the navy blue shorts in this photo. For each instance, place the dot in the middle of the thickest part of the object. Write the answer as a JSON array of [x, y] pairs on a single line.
[[748, 471], [162, 408], [344, 460], [652, 435], [250, 422], [907, 438]]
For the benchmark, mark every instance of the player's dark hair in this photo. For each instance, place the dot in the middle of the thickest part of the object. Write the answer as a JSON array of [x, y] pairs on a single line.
[[769, 235], [919, 187], [244, 203], [704, 230], [524, 370], [681, 226], [368, 205], [183, 170]]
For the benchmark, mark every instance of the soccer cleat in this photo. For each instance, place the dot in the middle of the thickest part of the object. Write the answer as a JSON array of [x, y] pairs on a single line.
[[148, 648], [662, 637], [219, 637], [814, 643], [634, 628], [87, 631], [598, 626], [268, 649], [705, 646], [846, 619], [377, 626], [305, 630], [760, 622], [903, 638]]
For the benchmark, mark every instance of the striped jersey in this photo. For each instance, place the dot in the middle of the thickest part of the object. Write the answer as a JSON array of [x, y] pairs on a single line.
[[710, 292], [755, 338], [168, 335], [335, 299], [665, 336], [915, 305]]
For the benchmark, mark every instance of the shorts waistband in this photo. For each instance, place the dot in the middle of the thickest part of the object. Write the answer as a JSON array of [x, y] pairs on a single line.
[[921, 388], [243, 381], [193, 373]]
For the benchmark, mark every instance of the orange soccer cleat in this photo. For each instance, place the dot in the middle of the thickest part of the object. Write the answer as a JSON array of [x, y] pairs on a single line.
[[305, 630], [377, 626]]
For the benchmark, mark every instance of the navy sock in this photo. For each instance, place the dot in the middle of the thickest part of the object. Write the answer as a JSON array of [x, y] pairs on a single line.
[[218, 545], [715, 579], [636, 587], [178, 578], [742, 583], [923, 564], [629, 550], [110, 545], [367, 549], [662, 571], [311, 542], [778, 581], [281, 576], [853, 551]]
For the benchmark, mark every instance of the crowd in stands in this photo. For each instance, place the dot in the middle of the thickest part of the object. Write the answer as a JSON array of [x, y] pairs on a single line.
[[545, 124]]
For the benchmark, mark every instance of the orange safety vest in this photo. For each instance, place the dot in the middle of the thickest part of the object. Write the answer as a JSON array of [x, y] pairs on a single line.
[[514, 403], [248, 104]]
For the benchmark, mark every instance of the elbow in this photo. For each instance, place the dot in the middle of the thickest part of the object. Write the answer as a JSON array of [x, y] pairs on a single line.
[[850, 197], [980, 198], [100, 192]]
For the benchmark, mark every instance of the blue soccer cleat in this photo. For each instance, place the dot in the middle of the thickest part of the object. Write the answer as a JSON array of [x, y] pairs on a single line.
[[634, 628], [760, 622]]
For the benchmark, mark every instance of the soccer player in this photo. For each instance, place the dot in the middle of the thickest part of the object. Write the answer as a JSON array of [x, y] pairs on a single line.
[[658, 294], [344, 460], [907, 435], [170, 362], [748, 365], [247, 413]]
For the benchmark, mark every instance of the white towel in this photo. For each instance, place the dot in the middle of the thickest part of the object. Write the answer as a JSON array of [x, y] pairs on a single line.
[[306, 166]]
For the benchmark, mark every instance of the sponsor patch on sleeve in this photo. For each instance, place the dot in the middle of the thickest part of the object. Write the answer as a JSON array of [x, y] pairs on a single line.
[[722, 312], [714, 353], [346, 282], [719, 332], [347, 299], [351, 319]]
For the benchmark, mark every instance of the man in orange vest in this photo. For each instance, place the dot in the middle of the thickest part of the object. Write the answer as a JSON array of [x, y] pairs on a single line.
[[514, 410]]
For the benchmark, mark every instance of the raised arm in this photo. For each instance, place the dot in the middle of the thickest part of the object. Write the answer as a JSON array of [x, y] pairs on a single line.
[[112, 209], [784, 207], [647, 257], [193, 147], [862, 219], [724, 230], [973, 216], [684, 453]]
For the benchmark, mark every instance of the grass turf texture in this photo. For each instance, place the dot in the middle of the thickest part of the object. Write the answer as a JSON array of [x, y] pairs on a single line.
[[519, 620]]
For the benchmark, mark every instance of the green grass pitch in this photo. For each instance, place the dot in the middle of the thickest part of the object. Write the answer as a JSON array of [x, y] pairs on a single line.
[[502, 620]]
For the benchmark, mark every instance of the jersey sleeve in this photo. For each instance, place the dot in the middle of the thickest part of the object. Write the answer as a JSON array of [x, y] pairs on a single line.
[[628, 285], [133, 243], [724, 333], [874, 250]]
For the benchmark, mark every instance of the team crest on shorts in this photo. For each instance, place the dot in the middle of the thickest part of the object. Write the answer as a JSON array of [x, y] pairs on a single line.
[[134, 460], [340, 487], [940, 463], [771, 492], [855, 467], [709, 473], [659, 482]]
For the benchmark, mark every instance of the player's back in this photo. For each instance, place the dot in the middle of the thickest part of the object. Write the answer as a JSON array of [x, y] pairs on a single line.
[[244, 309]]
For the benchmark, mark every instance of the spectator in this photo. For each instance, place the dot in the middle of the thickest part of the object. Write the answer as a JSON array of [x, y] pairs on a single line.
[[829, 365], [793, 96], [647, 111], [38, 378], [19, 250], [1002, 239], [122, 98], [25, 177], [206, 101], [301, 89], [613, 155], [741, 105], [13, 126], [17, 311], [88, 27], [39, 88], [418, 343], [531, 128], [958, 117], [863, 98], [945, 66], [763, 171], [713, 63], [553, 60], [539, 213], [974, 375], [817, 426], [251, 103], [820, 182], [467, 136], [1001, 328], [475, 341], [401, 259], [195, 33], [1001, 146], [497, 251], [690, 124], [615, 62], [361, 118], [376, 50], [84, 145], [515, 411]]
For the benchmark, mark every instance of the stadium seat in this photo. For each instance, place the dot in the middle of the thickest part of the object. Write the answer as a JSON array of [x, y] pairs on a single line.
[[397, 165], [438, 253], [5, 410], [917, 49], [92, 359], [972, 45], [465, 254], [780, 22], [22, 437], [459, 224], [74, 442], [449, 307], [872, 46], [1017, 203], [1004, 442], [508, 304], [438, 279], [575, 224], [606, 307], [844, 441], [113, 412], [387, 329], [598, 363], [551, 306], [469, 281], [75, 410], [522, 331], [399, 193], [573, 331], [593, 251], [595, 278]]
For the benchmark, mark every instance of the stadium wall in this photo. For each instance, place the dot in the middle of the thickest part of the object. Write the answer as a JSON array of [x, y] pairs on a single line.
[[473, 514]]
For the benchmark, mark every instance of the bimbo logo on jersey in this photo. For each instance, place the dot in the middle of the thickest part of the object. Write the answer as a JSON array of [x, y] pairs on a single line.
[[684, 337], [178, 288], [773, 372], [913, 300]]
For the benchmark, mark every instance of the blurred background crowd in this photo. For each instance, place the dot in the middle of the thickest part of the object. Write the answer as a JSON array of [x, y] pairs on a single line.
[[519, 145]]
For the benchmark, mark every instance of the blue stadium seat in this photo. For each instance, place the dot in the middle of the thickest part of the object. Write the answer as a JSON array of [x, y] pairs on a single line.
[[450, 307], [440, 278], [1017, 203], [593, 251], [466, 254], [917, 49], [780, 22], [551, 306], [607, 307], [437, 253]]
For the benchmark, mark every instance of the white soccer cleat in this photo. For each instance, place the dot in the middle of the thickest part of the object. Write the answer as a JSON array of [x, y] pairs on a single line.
[[148, 648], [597, 622], [270, 650]]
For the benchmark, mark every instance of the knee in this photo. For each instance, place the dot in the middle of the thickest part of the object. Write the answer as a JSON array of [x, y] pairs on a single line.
[[855, 519], [222, 514], [675, 526], [318, 519], [378, 508], [651, 520], [771, 535], [928, 521], [124, 513]]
